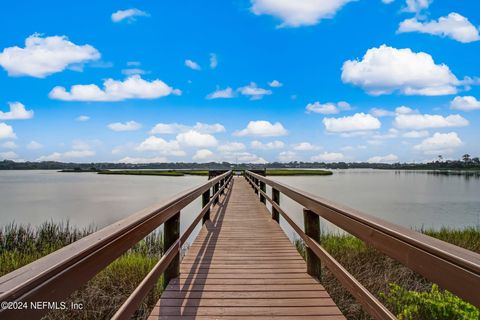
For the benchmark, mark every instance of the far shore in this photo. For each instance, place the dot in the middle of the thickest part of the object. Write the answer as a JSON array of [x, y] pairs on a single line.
[[177, 173]]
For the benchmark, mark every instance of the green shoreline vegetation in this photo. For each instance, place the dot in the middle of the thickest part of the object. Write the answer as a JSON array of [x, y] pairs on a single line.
[[407, 294], [298, 172], [179, 173]]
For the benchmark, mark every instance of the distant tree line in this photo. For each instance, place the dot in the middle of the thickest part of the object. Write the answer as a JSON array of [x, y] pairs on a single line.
[[467, 162]]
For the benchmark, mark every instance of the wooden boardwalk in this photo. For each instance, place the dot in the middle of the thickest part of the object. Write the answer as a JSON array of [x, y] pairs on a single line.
[[242, 265]]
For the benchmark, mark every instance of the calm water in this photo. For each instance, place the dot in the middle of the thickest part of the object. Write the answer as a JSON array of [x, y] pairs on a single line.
[[407, 198], [412, 199], [86, 198]]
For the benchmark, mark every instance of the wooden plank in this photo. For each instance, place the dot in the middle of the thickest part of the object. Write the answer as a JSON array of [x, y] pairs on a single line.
[[285, 302], [243, 265], [243, 295], [321, 317], [246, 311]]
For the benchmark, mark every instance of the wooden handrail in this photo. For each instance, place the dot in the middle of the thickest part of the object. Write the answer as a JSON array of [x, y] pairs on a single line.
[[453, 268], [55, 276], [131, 304]]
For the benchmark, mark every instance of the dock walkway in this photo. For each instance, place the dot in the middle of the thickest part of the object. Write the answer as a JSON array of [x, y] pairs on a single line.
[[242, 265]]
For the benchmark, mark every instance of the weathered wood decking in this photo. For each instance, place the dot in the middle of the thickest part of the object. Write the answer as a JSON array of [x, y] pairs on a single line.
[[242, 265]]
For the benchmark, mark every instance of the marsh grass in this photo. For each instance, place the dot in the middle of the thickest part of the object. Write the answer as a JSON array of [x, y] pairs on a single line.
[[103, 294], [375, 270]]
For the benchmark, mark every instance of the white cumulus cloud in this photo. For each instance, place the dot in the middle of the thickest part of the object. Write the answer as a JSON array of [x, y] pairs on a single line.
[[355, 123], [17, 112], [34, 145], [82, 118], [328, 157], [213, 61], [174, 128], [385, 69], [275, 84], [203, 154], [44, 56], [9, 145], [267, 146], [128, 15], [417, 5], [262, 128], [287, 156], [8, 155], [466, 103], [254, 92], [304, 146], [68, 155], [440, 143], [6, 131], [134, 87], [161, 146], [299, 12], [193, 138], [425, 121], [221, 94], [414, 134], [127, 126], [143, 160], [327, 108], [389, 158], [192, 65], [454, 26], [231, 147]]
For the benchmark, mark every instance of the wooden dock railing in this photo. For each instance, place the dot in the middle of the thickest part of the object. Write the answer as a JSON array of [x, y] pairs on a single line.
[[453, 268], [55, 276]]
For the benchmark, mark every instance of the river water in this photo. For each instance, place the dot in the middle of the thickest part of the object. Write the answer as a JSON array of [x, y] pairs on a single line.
[[411, 199]]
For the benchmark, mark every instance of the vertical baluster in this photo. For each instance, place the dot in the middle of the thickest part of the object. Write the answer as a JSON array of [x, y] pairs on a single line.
[[205, 200], [276, 199], [312, 229], [171, 233], [216, 187], [263, 187]]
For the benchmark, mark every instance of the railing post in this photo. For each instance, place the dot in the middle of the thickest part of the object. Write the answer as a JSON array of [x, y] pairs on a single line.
[[171, 233], [256, 183], [312, 229], [222, 183], [215, 190], [205, 200], [276, 199], [263, 187]]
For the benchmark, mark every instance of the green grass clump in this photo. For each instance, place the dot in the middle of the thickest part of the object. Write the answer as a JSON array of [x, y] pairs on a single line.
[[195, 172], [297, 172], [104, 293], [22, 244], [377, 272], [434, 304]]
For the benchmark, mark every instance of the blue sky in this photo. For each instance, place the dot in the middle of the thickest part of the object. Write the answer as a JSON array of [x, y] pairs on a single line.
[[240, 80]]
